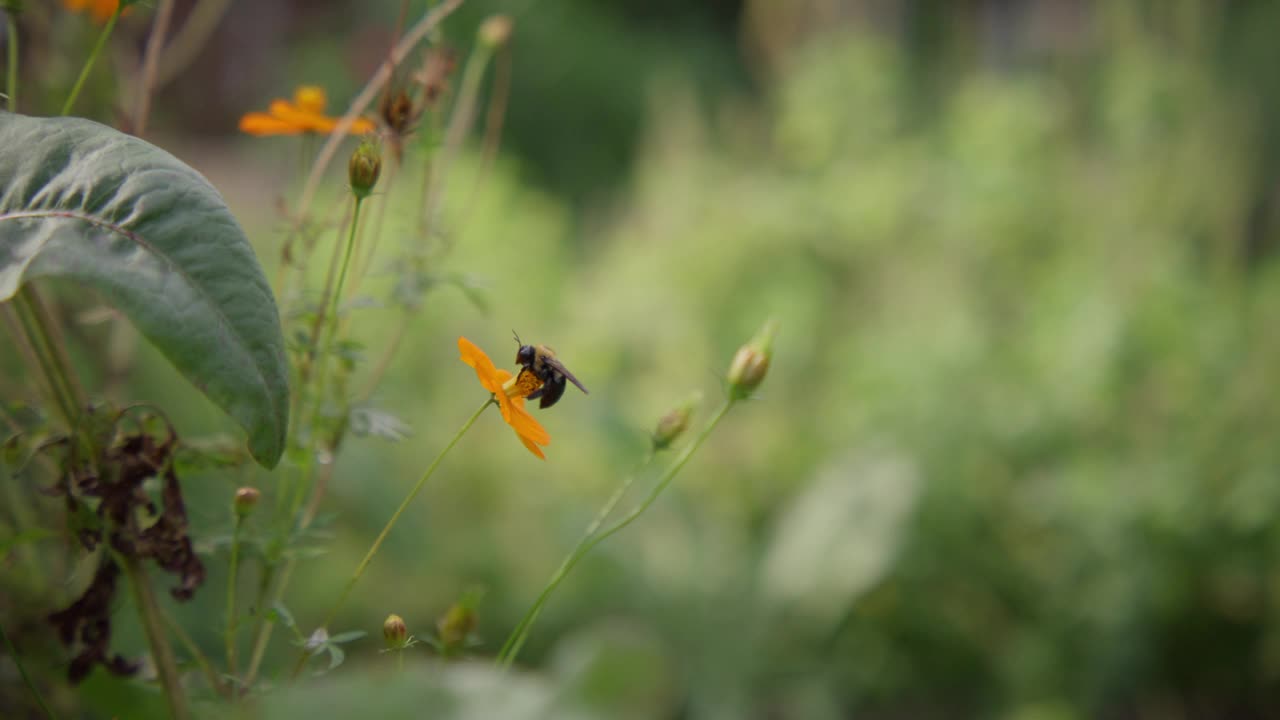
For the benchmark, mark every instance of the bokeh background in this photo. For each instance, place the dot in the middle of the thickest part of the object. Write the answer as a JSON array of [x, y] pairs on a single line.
[[1016, 456]]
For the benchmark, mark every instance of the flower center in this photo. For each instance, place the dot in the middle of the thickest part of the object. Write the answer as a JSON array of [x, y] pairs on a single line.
[[522, 385], [309, 98]]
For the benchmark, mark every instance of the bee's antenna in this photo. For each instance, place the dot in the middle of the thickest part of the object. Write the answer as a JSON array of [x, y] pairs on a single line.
[[517, 337]]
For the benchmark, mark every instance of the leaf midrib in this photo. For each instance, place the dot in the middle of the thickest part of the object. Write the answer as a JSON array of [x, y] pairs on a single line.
[[175, 267]]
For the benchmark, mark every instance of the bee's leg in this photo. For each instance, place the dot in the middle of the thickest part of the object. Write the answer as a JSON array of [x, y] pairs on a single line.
[[535, 394], [554, 388]]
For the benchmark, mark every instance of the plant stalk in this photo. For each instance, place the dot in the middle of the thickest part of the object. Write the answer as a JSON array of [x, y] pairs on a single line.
[[150, 63], [11, 73], [153, 624], [26, 679], [233, 573], [512, 646], [386, 530], [88, 64]]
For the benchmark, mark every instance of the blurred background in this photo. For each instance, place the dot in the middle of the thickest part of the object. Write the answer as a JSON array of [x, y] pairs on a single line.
[[1016, 456]]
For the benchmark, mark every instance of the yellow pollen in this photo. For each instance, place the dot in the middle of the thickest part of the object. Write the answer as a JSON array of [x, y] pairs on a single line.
[[522, 385]]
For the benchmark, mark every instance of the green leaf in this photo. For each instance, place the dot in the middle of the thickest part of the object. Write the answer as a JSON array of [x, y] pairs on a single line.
[[347, 637], [82, 202]]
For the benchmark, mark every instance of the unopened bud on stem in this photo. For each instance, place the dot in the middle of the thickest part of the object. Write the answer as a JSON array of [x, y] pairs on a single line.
[[395, 631], [672, 425], [246, 499], [751, 363], [364, 168], [495, 31]]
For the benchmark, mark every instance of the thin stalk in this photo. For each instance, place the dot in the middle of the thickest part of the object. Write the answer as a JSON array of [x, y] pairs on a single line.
[[26, 679], [518, 636], [386, 530], [188, 644], [331, 332], [572, 558], [153, 623], [362, 101], [51, 332], [362, 266], [37, 340], [11, 74], [493, 124], [459, 123], [262, 628], [190, 39], [88, 64], [150, 63], [233, 573]]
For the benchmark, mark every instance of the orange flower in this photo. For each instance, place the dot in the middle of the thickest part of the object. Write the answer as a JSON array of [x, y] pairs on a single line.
[[510, 393], [100, 9], [304, 114]]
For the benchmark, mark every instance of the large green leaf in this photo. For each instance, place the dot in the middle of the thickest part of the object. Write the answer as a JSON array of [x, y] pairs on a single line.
[[83, 202]]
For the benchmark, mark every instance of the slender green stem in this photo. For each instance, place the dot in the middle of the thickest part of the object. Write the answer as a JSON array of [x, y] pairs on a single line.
[[88, 64], [572, 558], [11, 76], [153, 624], [262, 628], [330, 332], [44, 354], [233, 573], [210, 675], [22, 670], [518, 636], [386, 530]]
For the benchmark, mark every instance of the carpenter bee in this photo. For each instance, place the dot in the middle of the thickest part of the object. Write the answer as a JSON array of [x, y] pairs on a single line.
[[543, 363]]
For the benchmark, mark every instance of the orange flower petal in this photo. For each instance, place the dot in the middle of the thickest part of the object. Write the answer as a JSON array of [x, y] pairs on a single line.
[[262, 124], [485, 370], [532, 448], [524, 424]]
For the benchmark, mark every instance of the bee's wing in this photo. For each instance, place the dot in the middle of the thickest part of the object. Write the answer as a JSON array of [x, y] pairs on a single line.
[[560, 368]]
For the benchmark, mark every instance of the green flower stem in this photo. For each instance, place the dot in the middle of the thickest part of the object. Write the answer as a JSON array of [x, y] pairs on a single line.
[[329, 322], [521, 633], [11, 76], [88, 64], [261, 628], [210, 675], [153, 624], [233, 573], [386, 530], [22, 670], [572, 558], [41, 346]]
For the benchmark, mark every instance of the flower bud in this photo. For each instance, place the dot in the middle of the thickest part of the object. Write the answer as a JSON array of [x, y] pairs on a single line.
[[455, 625], [751, 363], [495, 31], [674, 423], [245, 500], [364, 168], [395, 631]]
